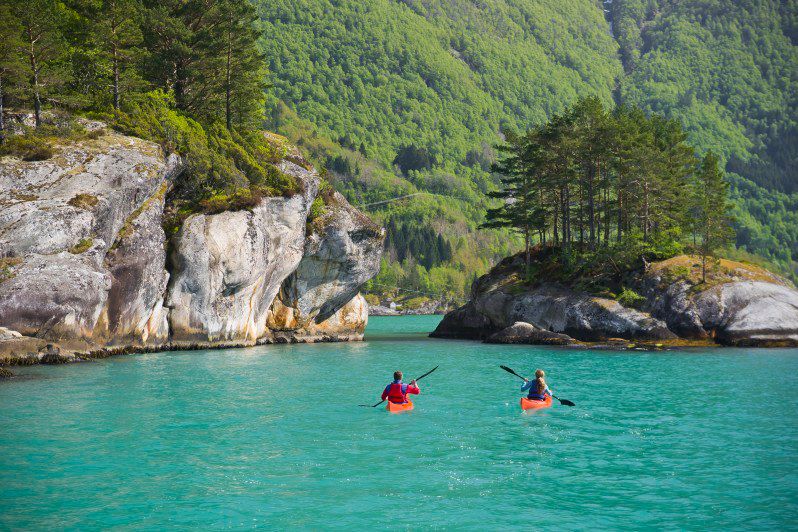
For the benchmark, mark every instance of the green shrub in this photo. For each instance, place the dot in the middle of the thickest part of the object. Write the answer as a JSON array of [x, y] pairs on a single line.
[[83, 201], [317, 209], [372, 299], [28, 147], [220, 165], [7, 267], [415, 303], [82, 246], [630, 298]]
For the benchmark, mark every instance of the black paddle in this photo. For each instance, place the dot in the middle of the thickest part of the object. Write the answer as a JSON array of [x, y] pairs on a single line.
[[565, 402], [416, 379]]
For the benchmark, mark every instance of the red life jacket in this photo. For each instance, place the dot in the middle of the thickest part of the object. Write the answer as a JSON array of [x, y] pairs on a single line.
[[395, 394]]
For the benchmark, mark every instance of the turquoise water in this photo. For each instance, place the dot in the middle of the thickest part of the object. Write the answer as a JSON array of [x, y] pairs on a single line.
[[273, 437]]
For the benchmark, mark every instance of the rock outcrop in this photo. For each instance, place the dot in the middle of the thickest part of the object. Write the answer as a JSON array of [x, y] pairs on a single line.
[[499, 301], [341, 252], [228, 267], [739, 305], [525, 333], [742, 304], [71, 226], [84, 265], [346, 324]]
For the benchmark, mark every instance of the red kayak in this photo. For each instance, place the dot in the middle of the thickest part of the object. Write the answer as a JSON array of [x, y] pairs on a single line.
[[395, 408], [532, 404]]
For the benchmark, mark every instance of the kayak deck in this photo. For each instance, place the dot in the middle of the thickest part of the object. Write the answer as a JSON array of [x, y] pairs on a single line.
[[531, 404], [399, 407]]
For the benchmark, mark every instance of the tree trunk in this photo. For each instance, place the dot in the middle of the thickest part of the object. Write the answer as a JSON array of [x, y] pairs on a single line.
[[116, 78], [555, 225], [591, 210], [645, 211], [34, 80], [620, 216], [227, 84], [526, 248], [606, 216], [2, 119]]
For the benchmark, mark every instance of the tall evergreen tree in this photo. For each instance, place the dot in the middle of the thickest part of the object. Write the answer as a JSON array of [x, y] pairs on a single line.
[[11, 60], [44, 47], [119, 37], [243, 81], [713, 210]]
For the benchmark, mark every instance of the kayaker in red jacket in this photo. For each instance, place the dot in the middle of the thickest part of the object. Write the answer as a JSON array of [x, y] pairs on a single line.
[[397, 391]]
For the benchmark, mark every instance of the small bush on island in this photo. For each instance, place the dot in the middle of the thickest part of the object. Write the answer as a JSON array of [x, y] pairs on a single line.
[[630, 298]]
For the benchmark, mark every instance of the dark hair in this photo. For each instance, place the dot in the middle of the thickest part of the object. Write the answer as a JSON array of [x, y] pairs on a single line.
[[397, 375]]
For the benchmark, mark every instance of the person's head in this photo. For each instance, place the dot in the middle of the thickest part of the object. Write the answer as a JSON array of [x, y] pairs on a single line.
[[397, 375], [539, 373]]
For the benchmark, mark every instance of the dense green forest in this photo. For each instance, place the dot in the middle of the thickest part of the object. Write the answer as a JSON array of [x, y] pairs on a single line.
[[609, 190], [368, 86], [410, 98], [187, 74]]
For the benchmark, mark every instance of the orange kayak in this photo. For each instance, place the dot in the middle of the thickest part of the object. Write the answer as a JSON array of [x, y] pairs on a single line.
[[399, 407], [531, 404]]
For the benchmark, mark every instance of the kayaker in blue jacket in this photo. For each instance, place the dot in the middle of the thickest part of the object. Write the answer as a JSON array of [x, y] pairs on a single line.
[[538, 390]]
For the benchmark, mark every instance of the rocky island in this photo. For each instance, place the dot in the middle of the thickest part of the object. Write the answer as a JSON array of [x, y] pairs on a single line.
[[738, 305], [87, 268]]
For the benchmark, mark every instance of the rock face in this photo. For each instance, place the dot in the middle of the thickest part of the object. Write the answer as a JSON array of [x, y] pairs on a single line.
[[228, 267], [347, 324], [341, 252], [71, 225], [497, 303], [525, 333], [83, 259], [742, 305]]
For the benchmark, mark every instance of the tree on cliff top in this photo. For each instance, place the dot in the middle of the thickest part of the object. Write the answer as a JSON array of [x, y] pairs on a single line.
[[713, 208]]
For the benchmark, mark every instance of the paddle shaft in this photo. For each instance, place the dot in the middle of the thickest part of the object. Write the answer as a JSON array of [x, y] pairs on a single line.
[[416, 379]]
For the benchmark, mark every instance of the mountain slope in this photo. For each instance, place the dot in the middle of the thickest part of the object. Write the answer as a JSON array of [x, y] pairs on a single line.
[[399, 97]]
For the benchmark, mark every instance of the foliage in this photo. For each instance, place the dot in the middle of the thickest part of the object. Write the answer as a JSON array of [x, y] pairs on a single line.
[[712, 209], [7, 265], [630, 298], [726, 70], [82, 246], [28, 148], [591, 179], [188, 75], [83, 201], [446, 76], [220, 165]]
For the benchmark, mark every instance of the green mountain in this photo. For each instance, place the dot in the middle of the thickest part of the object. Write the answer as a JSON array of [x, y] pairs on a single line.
[[401, 97]]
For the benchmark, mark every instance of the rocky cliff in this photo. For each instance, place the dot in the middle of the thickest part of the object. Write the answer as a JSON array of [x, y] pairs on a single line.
[[739, 304], [85, 263]]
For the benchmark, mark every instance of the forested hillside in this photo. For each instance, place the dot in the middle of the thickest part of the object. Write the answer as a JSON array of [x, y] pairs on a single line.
[[397, 97]]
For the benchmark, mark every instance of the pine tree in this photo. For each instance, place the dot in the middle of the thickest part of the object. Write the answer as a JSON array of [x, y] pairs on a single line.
[[244, 72], [119, 37], [11, 60], [714, 210], [43, 46]]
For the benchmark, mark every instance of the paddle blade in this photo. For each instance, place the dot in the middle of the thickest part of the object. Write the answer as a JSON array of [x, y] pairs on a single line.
[[566, 402], [508, 370]]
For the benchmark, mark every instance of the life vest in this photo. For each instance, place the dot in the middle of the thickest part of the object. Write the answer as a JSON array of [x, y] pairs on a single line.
[[533, 392], [395, 393]]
